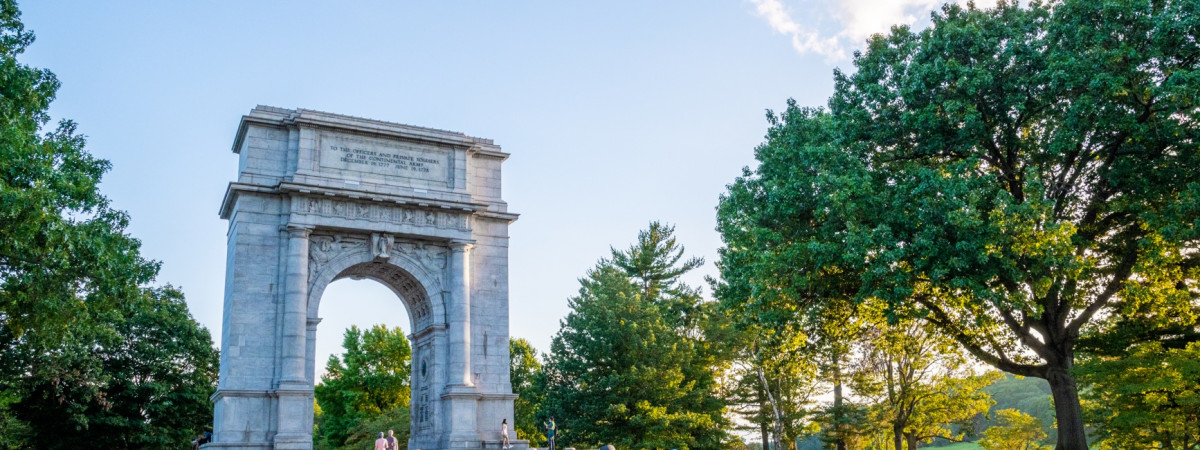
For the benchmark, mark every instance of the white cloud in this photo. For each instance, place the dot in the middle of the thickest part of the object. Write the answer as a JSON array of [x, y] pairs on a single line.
[[862, 18], [831, 26], [803, 40]]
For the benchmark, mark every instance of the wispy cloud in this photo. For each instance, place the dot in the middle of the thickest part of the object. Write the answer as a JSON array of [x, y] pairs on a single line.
[[831, 26], [804, 40]]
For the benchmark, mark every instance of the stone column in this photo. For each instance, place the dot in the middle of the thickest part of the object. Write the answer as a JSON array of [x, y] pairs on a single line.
[[310, 364], [310, 367], [461, 398], [294, 419], [460, 314], [295, 308]]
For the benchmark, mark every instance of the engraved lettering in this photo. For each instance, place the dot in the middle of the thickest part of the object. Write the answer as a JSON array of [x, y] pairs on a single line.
[[384, 158]]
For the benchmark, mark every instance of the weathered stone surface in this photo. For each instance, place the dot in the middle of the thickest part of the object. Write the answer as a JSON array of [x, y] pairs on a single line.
[[320, 197]]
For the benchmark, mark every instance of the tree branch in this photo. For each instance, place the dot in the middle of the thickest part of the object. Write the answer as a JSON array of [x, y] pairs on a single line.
[[1120, 275], [943, 321]]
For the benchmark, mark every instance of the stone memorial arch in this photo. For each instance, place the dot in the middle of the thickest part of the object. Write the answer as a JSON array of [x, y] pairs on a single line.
[[321, 197]]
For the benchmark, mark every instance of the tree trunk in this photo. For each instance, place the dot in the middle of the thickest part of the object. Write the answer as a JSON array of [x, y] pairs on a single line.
[[838, 415], [762, 426], [1067, 410], [898, 436], [912, 441], [766, 387]]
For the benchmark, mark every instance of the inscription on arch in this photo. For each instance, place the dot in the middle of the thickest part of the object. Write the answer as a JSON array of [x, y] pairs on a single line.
[[381, 157]]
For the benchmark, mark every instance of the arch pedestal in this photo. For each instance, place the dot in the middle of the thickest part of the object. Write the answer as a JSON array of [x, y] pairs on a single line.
[[320, 197]]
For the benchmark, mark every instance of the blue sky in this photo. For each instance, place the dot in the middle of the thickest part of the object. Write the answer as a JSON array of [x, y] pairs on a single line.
[[615, 113]]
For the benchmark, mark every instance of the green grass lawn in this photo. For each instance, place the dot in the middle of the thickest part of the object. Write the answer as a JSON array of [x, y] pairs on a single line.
[[960, 446]]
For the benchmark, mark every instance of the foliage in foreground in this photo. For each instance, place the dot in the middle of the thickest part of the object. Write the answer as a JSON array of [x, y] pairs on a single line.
[[1016, 431], [1030, 396], [920, 386], [90, 356], [362, 435], [1149, 397], [529, 383], [142, 381]]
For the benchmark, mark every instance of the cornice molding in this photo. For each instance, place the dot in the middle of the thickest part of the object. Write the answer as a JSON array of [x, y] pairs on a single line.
[[301, 118]]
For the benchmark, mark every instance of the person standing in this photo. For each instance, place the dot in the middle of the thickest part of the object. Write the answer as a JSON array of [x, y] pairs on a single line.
[[504, 444], [550, 431], [381, 443], [391, 440]]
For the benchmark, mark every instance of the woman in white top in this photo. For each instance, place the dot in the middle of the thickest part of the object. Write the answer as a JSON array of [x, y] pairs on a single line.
[[504, 434]]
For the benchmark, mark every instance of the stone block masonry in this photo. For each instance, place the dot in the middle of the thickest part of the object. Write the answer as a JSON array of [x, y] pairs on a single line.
[[320, 197]]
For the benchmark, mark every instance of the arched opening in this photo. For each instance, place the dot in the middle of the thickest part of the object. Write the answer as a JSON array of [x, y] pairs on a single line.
[[363, 303], [354, 284], [380, 350]]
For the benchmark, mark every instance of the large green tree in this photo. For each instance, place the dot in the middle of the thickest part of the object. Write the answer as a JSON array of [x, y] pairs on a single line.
[[1017, 172], [142, 381], [93, 357], [368, 381], [628, 366], [786, 275], [1040, 165], [64, 254]]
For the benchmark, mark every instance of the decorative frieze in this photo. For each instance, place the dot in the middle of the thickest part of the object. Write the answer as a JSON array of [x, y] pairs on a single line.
[[378, 212]]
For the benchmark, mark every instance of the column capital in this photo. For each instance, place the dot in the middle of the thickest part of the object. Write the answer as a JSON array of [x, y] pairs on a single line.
[[313, 321], [461, 245], [297, 230]]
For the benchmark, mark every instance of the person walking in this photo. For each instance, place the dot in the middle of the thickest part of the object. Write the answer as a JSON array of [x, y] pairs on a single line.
[[504, 444], [381, 443], [550, 430], [391, 441]]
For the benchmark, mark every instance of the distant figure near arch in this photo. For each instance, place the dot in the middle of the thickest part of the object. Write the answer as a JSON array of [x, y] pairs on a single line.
[[320, 197]]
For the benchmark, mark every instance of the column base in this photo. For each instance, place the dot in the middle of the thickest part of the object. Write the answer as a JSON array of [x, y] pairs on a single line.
[[461, 390], [236, 446], [293, 442], [460, 403], [294, 419]]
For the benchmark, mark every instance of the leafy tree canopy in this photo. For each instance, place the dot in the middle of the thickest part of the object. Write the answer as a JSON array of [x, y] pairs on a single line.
[[529, 383], [141, 382], [370, 380], [64, 254], [1017, 431], [1149, 398]]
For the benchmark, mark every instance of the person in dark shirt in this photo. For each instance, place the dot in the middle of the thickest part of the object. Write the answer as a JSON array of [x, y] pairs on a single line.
[[550, 430]]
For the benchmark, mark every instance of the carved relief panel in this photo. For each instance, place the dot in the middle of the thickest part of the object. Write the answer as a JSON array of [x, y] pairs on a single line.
[[376, 212], [432, 259]]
